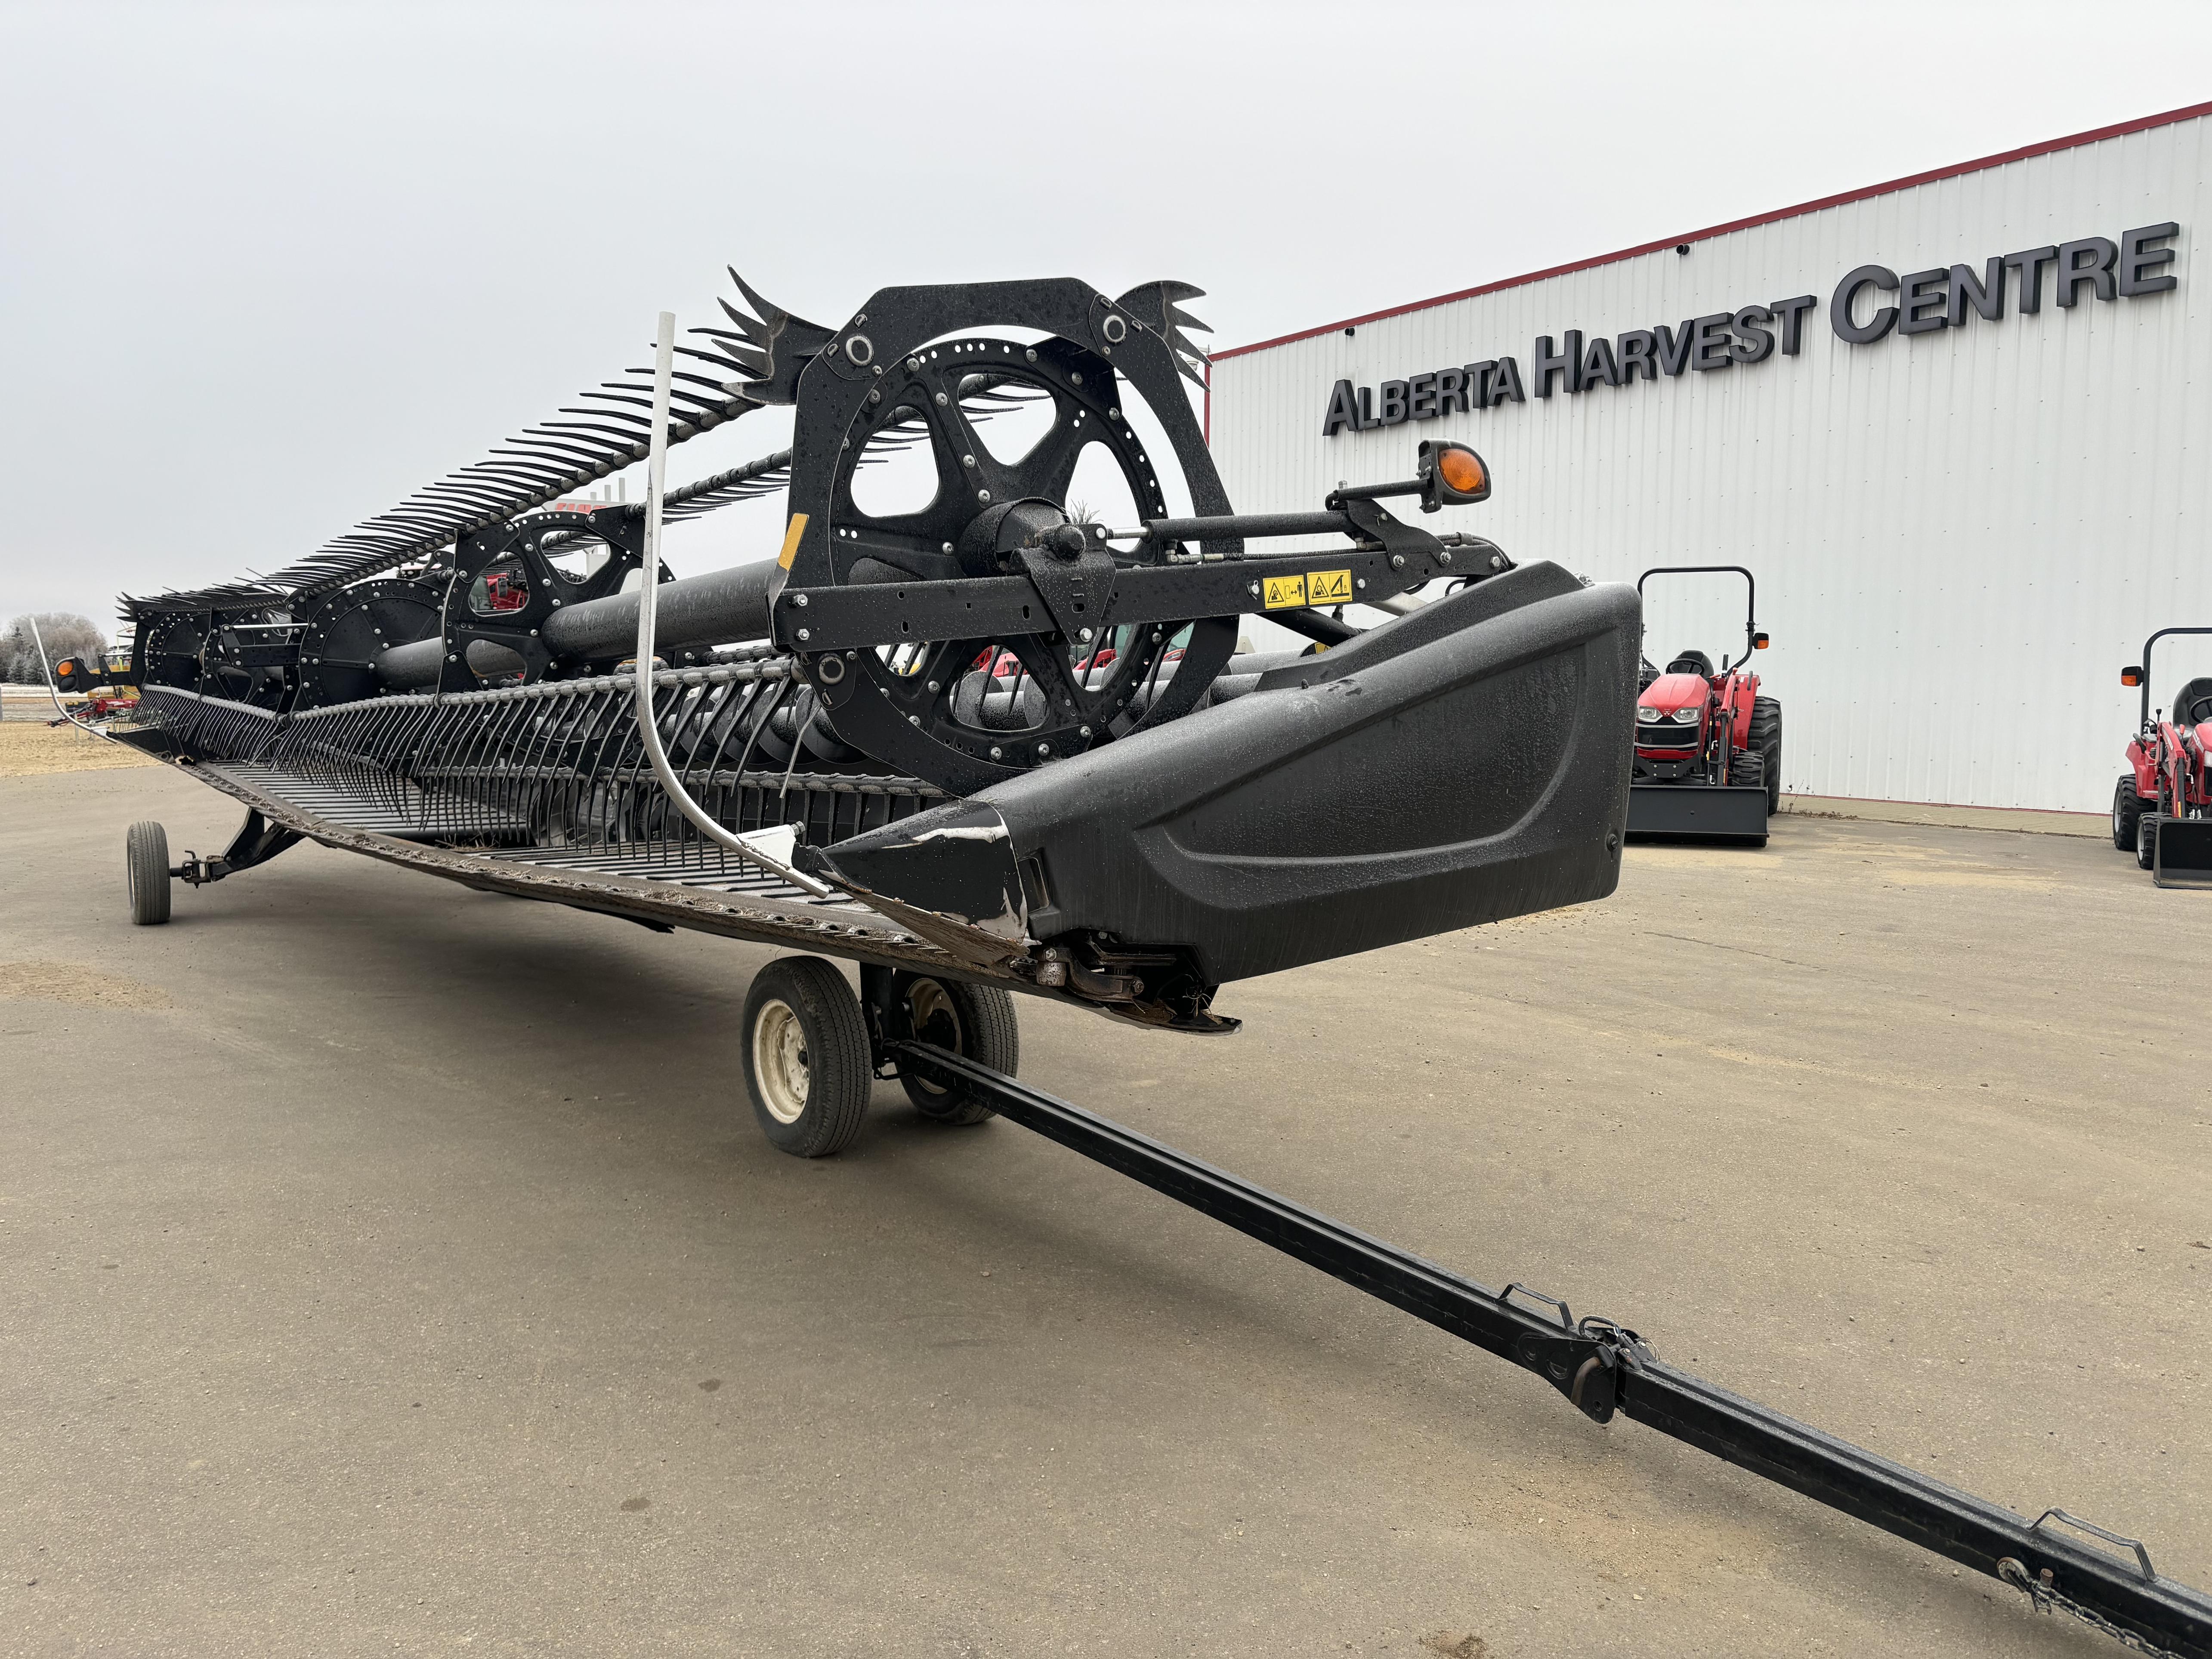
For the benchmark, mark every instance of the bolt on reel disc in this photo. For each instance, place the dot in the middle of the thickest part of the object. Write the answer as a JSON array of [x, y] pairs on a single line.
[[348, 629], [221, 653]]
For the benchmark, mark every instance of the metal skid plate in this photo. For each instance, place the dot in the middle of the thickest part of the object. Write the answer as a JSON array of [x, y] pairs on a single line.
[[1697, 811], [2183, 853]]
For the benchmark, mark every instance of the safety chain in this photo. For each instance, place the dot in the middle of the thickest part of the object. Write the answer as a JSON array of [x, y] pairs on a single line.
[[2046, 1595]]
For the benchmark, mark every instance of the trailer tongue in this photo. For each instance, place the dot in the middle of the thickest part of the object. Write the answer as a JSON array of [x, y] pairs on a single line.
[[1604, 1369]]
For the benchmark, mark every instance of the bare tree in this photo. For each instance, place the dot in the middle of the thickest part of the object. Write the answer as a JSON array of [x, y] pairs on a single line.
[[66, 634]]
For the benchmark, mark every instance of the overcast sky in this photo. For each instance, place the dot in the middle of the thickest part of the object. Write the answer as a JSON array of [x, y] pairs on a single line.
[[263, 269]]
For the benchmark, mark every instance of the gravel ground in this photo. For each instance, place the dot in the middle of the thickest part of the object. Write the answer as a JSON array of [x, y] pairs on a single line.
[[30, 749]]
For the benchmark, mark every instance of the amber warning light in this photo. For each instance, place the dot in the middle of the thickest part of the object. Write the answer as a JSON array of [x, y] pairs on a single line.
[[2132, 677], [1452, 475]]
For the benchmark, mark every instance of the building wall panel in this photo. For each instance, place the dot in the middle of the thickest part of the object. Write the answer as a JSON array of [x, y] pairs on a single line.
[[1959, 537]]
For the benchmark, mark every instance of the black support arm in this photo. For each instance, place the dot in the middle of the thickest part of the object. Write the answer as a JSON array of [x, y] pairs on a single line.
[[1605, 1368]]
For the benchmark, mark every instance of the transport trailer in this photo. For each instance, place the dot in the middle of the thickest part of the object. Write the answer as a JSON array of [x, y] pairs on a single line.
[[829, 751], [2162, 803], [1708, 746]]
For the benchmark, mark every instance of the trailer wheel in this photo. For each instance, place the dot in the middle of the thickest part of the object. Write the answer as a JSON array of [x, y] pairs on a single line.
[[807, 1064], [146, 864], [977, 1022], [2147, 842], [2127, 813], [1765, 736]]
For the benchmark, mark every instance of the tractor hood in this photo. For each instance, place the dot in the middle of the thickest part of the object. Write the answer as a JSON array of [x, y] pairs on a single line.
[[1672, 691], [1667, 693]]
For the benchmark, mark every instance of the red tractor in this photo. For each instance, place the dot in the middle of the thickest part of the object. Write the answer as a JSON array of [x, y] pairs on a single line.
[[1708, 746], [2162, 806]]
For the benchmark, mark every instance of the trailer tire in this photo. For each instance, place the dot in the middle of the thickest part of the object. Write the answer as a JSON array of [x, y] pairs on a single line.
[[977, 1022], [807, 1064], [1765, 736], [2147, 842], [146, 868], [2127, 813]]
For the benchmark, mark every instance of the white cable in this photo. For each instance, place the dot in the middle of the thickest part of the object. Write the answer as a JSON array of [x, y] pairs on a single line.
[[656, 468]]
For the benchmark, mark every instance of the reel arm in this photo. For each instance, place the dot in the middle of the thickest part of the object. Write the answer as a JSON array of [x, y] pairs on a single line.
[[1388, 558]]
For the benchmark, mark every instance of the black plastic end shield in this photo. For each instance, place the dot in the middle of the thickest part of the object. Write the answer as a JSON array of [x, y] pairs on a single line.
[[1473, 768], [956, 861], [1697, 811]]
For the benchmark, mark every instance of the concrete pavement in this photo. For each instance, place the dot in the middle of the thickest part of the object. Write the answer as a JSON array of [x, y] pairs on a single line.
[[390, 1268]]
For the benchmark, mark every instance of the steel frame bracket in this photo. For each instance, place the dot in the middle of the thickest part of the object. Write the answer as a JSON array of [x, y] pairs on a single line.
[[258, 841]]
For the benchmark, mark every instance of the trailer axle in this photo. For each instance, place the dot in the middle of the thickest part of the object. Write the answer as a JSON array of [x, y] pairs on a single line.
[[1604, 1368]]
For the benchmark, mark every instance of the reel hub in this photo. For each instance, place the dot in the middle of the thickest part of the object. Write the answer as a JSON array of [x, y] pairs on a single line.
[[968, 712]]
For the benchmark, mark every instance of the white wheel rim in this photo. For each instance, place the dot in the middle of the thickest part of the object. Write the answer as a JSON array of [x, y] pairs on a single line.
[[926, 1002], [779, 1061]]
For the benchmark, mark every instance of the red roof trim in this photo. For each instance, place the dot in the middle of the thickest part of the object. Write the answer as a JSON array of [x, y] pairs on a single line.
[[2095, 135]]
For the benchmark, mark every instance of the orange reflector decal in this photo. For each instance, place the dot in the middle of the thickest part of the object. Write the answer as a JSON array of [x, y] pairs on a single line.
[[791, 541]]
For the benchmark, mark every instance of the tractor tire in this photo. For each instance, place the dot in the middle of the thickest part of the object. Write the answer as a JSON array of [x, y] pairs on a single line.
[[1747, 770], [2127, 813], [808, 1066], [976, 1022], [146, 866], [1766, 738], [2147, 842]]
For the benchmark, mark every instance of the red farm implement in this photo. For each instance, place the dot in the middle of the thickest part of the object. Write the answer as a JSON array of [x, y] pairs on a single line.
[[2162, 804], [1708, 746]]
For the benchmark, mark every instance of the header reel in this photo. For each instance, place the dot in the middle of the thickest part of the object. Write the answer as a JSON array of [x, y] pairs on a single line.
[[460, 674], [980, 705]]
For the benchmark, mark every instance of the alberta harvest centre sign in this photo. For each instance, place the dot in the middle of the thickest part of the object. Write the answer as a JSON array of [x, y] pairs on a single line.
[[1870, 304]]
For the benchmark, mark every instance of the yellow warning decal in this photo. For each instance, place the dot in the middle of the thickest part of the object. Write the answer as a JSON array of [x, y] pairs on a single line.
[[791, 541], [1282, 593], [1330, 588]]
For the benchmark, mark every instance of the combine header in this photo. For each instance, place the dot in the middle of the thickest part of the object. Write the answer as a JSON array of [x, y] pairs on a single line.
[[980, 745], [829, 747]]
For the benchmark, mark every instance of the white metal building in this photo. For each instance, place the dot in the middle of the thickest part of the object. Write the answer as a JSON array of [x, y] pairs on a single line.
[[1963, 520]]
